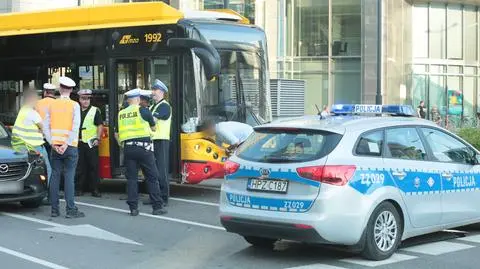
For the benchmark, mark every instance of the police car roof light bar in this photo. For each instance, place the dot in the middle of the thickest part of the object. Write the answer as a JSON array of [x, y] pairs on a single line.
[[358, 109]]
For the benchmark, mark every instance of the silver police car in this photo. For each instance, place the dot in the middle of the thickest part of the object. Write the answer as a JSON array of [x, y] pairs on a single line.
[[363, 182]]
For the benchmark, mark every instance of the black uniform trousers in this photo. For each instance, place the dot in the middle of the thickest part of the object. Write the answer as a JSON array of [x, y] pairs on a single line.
[[161, 150], [87, 178], [135, 157]]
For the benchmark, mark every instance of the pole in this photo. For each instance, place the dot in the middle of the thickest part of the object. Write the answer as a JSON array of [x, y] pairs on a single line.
[[378, 97], [226, 3]]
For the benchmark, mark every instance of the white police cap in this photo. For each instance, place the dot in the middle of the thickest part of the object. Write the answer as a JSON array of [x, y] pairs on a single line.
[[145, 93], [133, 93], [159, 85], [67, 82], [84, 92], [49, 87]]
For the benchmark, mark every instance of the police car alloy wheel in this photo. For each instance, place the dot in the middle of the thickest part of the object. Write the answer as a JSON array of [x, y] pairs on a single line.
[[383, 232], [260, 241]]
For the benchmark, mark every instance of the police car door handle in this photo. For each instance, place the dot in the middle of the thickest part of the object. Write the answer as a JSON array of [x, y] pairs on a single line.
[[399, 174], [446, 175]]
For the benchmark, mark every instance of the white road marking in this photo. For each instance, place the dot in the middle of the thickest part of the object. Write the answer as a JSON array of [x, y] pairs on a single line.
[[194, 201], [154, 216], [85, 230], [44, 222], [473, 238], [317, 266], [437, 248], [397, 257], [31, 258], [212, 188]]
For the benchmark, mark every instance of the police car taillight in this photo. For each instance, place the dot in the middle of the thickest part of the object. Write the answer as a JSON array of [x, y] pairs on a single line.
[[230, 167], [337, 175]]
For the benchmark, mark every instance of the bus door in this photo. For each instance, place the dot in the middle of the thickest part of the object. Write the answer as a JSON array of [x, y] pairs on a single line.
[[130, 74]]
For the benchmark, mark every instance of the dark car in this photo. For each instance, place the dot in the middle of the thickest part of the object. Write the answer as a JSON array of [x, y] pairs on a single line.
[[22, 172]]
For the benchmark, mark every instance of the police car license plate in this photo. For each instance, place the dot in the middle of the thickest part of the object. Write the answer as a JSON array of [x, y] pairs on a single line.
[[267, 185]]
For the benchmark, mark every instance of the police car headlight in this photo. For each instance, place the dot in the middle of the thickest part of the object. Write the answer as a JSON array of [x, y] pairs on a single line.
[[196, 147], [209, 149], [215, 156]]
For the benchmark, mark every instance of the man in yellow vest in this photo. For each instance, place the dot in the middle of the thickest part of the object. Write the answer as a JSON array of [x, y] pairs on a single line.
[[28, 128], [162, 112], [135, 124], [91, 126], [61, 126]]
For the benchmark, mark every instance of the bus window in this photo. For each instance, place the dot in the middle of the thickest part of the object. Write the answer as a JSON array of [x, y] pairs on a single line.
[[91, 77], [9, 104]]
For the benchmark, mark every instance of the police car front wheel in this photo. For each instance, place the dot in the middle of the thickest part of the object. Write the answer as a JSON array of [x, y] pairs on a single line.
[[383, 232], [260, 241]]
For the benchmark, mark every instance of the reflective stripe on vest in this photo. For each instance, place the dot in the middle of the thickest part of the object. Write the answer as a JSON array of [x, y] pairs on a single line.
[[61, 121], [162, 131], [131, 125], [28, 133], [89, 129]]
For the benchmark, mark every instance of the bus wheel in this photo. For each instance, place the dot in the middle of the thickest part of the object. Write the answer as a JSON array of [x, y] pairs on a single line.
[[384, 232]]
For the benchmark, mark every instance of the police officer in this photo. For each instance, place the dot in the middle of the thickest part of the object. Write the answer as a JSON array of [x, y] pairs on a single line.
[[43, 105], [61, 126], [162, 113], [135, 124], [145, 98], [91, 127]]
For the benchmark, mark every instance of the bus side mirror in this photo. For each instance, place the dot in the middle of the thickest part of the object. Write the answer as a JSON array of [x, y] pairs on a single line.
[[205, 51]]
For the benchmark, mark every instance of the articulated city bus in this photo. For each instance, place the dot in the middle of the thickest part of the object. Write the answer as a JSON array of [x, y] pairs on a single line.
[[214, 63]]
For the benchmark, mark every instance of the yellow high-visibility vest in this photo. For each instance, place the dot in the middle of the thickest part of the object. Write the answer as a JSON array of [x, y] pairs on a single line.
[[131, 125], [89, 129], [28, 133], [162, 131]]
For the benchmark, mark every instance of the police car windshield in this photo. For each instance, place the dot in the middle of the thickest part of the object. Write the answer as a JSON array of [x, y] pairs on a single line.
[[287, 146]]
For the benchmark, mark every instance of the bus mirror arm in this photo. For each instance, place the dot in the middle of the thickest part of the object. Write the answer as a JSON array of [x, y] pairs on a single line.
[[205, 51]]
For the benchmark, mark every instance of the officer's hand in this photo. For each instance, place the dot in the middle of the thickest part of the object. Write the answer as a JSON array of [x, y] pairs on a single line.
[[62, 149], [95, 142]]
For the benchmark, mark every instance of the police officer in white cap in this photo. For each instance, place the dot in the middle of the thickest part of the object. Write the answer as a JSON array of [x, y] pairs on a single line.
[[91, 127], [162, 112], [61, 127], [145, 98], [135, 124]]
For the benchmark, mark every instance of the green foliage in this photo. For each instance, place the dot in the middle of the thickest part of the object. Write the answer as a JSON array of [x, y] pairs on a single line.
[[471, 135]]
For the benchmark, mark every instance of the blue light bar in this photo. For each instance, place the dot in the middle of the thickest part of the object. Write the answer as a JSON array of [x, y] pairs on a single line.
[[398, 110]]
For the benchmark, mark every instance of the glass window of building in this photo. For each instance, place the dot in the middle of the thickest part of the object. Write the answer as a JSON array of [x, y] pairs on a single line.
[[307, 28], [454, 32], [420, 31], [346, 28], [437, 31], [471, 34]]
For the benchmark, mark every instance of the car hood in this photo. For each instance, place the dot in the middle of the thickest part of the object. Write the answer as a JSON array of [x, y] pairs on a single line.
[[8, 154]]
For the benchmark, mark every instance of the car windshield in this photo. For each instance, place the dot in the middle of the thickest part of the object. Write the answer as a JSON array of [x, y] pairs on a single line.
[[284, 146]]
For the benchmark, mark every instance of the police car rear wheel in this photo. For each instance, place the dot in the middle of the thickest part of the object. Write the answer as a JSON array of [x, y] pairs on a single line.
[[260, 241], [383, 234]]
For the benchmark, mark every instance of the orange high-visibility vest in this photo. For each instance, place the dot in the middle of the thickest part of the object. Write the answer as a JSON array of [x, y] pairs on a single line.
[[43, 106], [61, 121]]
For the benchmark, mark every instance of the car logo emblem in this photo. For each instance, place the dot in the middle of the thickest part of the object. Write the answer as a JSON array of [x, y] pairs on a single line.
[[3, 168], [264, 172]]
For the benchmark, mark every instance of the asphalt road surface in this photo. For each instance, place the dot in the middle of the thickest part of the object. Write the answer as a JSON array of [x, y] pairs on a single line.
[[190, 237]]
